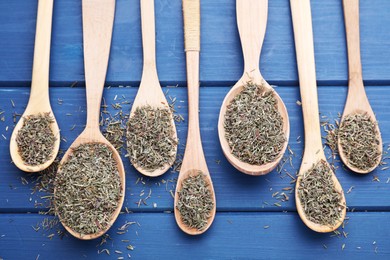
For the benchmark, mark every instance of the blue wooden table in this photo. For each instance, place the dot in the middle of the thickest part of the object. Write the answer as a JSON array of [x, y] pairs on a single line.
[[248, 223]]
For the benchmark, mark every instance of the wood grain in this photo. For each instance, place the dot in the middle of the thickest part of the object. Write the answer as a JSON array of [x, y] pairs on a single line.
[[221, 57]]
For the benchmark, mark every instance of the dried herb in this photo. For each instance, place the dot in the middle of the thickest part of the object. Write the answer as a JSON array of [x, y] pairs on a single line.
[[88, 188], [320, 200], [151, 142], [195, 201], [254, 126], [359, 139], [35, 139], [114, 133]]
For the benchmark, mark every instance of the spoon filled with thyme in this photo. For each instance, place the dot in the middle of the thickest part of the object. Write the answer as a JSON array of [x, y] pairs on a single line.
[[90, 182], [319, 196], [195, 203], [359, 137], [35, 140], [151, 132], [253, 124]]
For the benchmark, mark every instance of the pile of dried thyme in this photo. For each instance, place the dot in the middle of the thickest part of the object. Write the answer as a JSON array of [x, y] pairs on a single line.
[[320, 200], [35, 139], [88, 188], [195, 202], [151, 142], [254, 126], [358, 137]]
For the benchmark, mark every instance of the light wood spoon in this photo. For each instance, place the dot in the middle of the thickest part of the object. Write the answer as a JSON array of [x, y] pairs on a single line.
[[39, 102], [194, 160], [357, 101], [313, 153], [252, 22], [98, 19], [149, 92]]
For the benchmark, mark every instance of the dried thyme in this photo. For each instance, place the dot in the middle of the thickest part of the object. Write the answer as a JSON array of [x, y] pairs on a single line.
[[254, 126], [195, 201], [88, 188], [35, 139], [320, 200], [359, 140], [151, 142]]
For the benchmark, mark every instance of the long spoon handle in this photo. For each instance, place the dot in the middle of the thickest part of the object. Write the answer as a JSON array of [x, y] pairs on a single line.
[[148, 39], [98, 20], [351, 16], [303, 34], [251, 22], [191, 14], [40, 75]]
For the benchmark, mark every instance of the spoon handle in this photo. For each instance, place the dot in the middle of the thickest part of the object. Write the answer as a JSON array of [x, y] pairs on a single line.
[[40, 75], [251, 22], [193, 156], [148, 39], [351, 16], [303, 35], [98, 20]]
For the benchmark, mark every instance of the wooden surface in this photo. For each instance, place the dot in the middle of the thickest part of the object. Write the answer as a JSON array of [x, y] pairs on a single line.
[[245, 206]]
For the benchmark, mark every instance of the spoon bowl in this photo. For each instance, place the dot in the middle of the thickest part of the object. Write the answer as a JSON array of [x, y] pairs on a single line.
[[39, 102], [184, 227], [357, 101], [93, 136], [307, 162], [251, 22], [150, 92], [237, 163]]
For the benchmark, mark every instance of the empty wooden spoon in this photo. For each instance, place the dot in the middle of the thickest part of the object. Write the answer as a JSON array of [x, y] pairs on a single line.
[[252, 22], [149, 92], [313, 153], [357, 101], [194, 160], [39, 102], [98, 19]]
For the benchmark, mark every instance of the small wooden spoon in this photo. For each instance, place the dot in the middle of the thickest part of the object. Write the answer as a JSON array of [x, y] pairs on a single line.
[[98, 19], [39, 102], [252, 22], [357, 101], [313, 153], [149, 92], [194, 160]]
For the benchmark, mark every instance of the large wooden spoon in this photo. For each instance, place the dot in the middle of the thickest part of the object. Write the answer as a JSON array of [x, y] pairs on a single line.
[[98, 19], [194, 160], [357, 101], [252, 22], [149, 92], [39, 102], [313, 153]]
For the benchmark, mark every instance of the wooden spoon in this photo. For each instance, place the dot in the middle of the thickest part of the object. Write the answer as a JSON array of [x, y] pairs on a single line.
[[194, 160], [39, 102], [98, 19], [313, 153], [149, 92], [357, 101], [252, 22]]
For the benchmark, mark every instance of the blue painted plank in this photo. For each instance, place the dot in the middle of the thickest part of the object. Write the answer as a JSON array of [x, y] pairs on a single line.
[[235, 191], [221, 58], [232, 236]]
